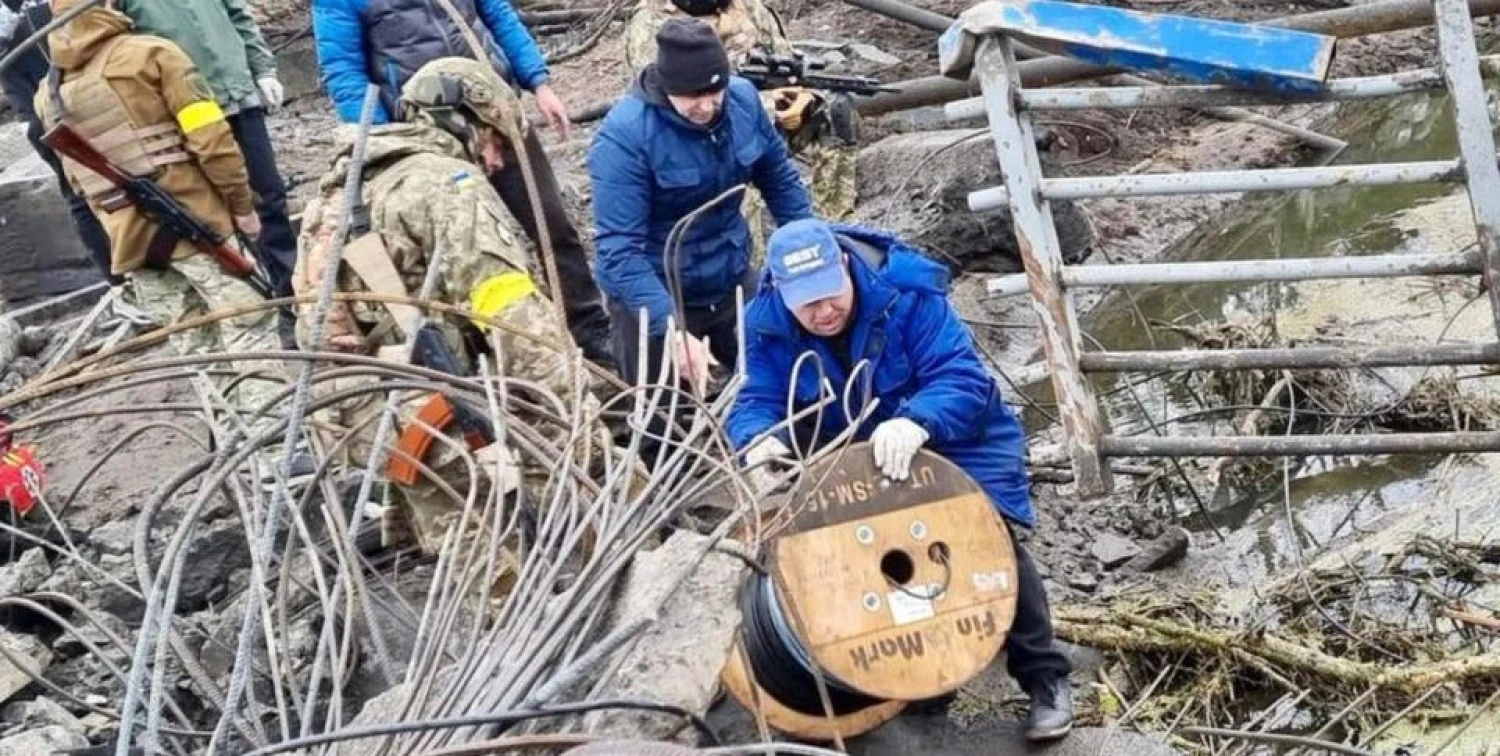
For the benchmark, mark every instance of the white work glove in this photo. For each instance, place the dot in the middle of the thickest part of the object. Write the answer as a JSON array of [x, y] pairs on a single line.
[[499, 463], [895, 442], [271, 93], [762, 478], [694, 359]]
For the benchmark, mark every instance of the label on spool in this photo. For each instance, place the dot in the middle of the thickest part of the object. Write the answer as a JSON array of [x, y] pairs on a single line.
[[906, 608], [900, 590]]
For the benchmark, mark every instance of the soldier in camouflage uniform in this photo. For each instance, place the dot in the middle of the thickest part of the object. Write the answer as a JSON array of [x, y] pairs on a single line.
[[803, 116], [425, 189], [144, 104]]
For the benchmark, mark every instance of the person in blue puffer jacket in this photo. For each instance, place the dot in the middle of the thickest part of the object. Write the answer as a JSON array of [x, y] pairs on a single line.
[[850, 295], [687, 132], [385, 42]]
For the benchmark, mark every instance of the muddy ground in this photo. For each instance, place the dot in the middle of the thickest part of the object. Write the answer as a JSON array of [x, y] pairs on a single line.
[[1086, 143]]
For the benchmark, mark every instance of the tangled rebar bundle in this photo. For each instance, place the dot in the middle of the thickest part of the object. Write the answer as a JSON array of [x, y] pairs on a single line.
[[461, 661]]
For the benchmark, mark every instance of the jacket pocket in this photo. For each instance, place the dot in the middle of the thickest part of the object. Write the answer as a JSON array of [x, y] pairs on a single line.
[[747, 156], [678, 178]]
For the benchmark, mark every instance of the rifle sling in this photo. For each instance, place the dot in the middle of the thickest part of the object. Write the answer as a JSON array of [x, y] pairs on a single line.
[[159, 251], [370, 261]]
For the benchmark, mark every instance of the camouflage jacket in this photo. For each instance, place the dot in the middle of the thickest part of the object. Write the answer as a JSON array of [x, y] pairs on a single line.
[[423, 194], [745, 25]]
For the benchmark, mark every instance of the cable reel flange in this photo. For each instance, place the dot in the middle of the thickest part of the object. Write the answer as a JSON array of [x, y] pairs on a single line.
[[900, 590]]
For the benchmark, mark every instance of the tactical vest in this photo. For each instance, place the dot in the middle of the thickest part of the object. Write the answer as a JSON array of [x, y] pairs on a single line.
[[403, 35], [92, 107]]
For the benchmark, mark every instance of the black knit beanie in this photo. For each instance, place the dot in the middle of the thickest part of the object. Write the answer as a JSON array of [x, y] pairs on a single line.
[[690, 58]]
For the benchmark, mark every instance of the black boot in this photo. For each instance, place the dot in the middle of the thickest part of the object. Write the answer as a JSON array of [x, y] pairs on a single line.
[[1051, 713]]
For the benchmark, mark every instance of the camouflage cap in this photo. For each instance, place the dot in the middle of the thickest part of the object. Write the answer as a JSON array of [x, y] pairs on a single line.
[[446, 84]]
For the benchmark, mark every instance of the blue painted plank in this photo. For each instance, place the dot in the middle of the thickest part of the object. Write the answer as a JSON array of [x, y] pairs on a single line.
[[1196, 50]]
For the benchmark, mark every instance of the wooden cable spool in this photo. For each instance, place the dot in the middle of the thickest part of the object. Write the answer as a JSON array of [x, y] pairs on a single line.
[[900, 591]]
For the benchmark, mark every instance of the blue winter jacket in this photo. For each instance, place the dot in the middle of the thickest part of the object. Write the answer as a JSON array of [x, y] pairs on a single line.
[[650, 167], [411, 33], [923, 364]]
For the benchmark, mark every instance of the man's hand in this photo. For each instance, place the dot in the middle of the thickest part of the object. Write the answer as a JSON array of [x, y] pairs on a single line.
[[248, 225], [694, 359], [794, 106], [271, 93], [895, 442], [552, 108]]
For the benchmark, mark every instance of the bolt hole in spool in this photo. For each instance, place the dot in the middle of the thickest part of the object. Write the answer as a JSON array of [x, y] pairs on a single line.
[[918, 621], [939, 553]]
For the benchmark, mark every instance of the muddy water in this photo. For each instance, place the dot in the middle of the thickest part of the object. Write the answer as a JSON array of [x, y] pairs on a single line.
[[1348, 509], [1339, 221]]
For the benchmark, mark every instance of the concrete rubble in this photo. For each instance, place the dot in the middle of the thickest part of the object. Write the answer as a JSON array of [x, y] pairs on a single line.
[[680, 655], [11, 342], [29, 651], [1112, 550], [25, 574], [49, 739], [40, 712]]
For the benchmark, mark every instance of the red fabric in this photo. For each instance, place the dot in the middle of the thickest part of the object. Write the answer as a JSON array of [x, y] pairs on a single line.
[[21, 474]]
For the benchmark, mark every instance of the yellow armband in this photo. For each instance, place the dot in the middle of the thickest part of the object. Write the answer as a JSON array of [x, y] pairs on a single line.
[[199, 114], [495, 294]]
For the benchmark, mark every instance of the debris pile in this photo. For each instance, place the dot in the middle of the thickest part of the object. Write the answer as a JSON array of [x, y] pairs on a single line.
[[1338, 652]]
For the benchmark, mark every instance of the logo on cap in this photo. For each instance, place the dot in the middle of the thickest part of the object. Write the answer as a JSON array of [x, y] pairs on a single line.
[[714, 79], [803, 260]]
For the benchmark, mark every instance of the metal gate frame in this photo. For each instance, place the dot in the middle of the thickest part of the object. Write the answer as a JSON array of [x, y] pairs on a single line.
[[1027, 194]]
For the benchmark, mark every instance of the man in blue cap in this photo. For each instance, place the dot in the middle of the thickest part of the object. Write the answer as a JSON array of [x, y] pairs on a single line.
[[849, 296]]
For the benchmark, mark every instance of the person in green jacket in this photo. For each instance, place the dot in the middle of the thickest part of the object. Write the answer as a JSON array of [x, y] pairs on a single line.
[[227, 46]]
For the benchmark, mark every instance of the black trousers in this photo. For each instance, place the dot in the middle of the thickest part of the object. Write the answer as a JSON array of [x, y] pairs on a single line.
[[277, 247], [582, 304], [95, 240], [717, 322], [1032, 656]]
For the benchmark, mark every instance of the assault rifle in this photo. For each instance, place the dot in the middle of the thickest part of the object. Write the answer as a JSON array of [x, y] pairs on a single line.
[[770, 71], [430, 350], [160, 207]]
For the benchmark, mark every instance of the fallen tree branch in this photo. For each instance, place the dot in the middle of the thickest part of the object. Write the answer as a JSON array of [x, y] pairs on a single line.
[[1271, 737], [1131, 632], [1488, 623]]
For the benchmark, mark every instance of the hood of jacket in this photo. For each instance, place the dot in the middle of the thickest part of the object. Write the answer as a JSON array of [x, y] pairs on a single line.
[[880, 281], [76, 42], [389, 144], [647, 88]]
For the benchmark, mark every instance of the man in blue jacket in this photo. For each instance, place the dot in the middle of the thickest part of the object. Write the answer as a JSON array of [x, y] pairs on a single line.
[[686, 133], [849, 295], [384, 42]]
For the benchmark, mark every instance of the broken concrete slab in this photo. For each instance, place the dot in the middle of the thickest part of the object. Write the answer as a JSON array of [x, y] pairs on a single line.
[[1112, 550], [50, 739], [29, 651], [680, 656], [40, 252]]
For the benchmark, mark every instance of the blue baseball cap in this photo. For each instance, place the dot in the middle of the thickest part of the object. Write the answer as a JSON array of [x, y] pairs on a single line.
[[806, 262]]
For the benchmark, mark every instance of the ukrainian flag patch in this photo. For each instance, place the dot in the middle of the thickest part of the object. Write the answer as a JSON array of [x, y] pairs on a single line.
[[463, 177]]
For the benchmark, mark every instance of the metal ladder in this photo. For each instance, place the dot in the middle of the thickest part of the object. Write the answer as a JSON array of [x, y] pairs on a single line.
[[1027, 194]]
